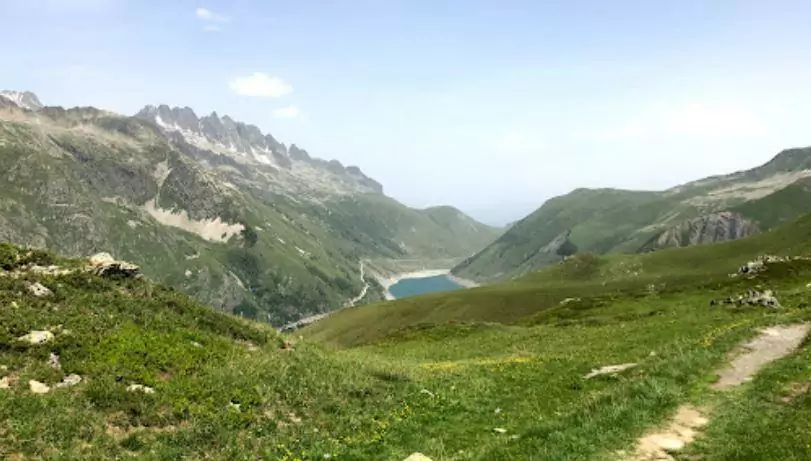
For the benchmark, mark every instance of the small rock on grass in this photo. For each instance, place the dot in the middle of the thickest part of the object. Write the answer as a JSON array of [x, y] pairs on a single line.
[[140, 388], [610, 369], [37, 337], [38, 387], [417, 457], [53, 361], [500, 430], [39, 290], [70, 380], [427, 392], [5, 383]]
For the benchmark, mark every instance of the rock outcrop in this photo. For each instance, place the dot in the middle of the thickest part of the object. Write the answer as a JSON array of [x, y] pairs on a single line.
[[752, 298], [104, 265], [761, 264], [711, 228]]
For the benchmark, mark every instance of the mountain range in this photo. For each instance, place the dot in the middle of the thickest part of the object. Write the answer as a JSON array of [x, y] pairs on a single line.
[[250, 225], [210, 206]]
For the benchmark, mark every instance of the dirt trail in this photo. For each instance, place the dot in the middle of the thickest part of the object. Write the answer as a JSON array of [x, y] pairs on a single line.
[[772, 343]]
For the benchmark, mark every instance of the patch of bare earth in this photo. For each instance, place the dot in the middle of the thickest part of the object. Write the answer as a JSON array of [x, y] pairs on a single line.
[[772, 343]]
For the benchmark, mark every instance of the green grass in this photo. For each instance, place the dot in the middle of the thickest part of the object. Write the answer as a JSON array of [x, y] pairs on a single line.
[[534, 374], [118, 332], [438, 384]]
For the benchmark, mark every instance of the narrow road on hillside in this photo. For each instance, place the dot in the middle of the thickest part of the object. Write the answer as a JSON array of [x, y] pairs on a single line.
[[363, 290], [308, 320]]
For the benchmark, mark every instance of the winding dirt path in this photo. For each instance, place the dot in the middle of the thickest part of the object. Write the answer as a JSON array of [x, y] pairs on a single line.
[[773, 343]]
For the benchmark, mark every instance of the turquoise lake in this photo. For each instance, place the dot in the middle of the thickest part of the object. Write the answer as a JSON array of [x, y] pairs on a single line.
[[413, 287]]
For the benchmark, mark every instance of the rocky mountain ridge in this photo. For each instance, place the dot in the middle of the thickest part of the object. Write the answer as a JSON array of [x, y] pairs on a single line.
[[246, 144]]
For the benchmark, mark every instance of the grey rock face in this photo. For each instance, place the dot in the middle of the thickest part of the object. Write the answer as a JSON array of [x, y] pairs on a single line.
[[554, 247], [711, 228], [22, 99]]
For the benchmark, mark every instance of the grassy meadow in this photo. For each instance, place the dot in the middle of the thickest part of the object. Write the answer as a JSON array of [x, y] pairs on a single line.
[[494, 373]]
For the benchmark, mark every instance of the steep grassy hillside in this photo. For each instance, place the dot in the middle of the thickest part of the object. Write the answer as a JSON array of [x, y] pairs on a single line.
[[780, 207], [386, 228], [618, 221], [217, 387]]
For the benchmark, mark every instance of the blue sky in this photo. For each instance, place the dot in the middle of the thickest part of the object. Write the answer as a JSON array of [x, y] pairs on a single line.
[[491, 106]]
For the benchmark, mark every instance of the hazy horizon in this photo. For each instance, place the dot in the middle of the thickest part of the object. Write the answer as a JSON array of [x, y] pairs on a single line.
[[491, 107]]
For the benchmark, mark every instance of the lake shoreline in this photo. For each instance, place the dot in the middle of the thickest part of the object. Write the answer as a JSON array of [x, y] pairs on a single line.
[[387, 282]]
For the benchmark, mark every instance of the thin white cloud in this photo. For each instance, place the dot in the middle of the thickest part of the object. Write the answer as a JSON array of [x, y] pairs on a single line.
[[207, 15], [287, 112], [212, 28], [261, 85]]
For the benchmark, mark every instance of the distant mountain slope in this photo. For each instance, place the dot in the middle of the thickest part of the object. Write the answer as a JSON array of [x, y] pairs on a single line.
[[610, 220], [521, 247], [216, 209]]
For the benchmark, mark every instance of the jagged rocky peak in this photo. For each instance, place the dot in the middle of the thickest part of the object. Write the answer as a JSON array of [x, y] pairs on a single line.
[[297, 153], [244, 142], [22, 99], [221, 135], [184, 118], [710, 228]]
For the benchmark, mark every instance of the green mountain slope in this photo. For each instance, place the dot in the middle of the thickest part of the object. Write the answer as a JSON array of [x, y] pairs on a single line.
[[259, 240], [596, 218], [619, 221]]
